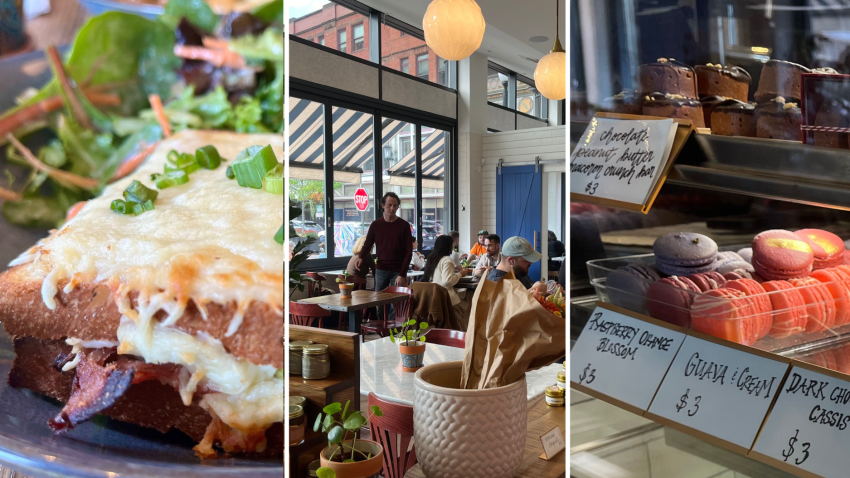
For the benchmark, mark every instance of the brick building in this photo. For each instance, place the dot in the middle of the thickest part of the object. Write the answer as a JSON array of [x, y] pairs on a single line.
[[337, 27]]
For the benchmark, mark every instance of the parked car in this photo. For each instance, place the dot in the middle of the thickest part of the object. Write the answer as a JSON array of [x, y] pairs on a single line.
[[429, 236]]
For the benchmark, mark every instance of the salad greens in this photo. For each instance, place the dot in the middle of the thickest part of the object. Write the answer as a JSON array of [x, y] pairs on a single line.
[[96, 113]]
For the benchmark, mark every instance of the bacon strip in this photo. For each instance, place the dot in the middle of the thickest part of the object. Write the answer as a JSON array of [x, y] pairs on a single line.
[[229, 439]]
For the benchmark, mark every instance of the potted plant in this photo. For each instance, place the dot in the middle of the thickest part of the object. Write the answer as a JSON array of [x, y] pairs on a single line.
[[345, 286], [411, 344], [347, 458]]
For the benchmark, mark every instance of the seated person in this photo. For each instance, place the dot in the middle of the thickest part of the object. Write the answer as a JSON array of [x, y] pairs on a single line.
[[367, 266], [478, 249], [440, 269], [454, 255], [556, 249], [491, 259], [517, 256], [417, 260]]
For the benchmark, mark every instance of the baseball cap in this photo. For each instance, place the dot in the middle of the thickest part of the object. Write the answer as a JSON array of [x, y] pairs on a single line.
[[520, 247], [483, 231]]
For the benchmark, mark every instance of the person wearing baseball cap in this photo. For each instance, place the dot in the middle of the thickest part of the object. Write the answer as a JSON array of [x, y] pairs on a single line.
[[479, 249], [517, 256]]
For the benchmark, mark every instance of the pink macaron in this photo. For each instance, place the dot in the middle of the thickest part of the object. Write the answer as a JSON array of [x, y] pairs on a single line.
[[670, 299], [779, 254], [827, 248], [708, 280]]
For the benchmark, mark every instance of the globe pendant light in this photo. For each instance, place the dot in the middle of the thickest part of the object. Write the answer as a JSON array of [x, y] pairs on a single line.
[[453, 28], [550, 76]]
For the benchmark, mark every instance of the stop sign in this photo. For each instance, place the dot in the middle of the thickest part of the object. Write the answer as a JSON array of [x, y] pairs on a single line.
[[361, 199]]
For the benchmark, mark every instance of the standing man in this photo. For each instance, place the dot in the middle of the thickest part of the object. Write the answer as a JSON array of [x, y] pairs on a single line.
[[478, 249], [492, 258], [517, 256], [391, 234]]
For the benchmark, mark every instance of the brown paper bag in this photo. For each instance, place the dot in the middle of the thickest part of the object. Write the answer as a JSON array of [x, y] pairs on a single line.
[[509, 334]]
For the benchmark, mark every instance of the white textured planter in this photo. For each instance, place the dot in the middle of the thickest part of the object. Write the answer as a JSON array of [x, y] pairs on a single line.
[[463, 433]]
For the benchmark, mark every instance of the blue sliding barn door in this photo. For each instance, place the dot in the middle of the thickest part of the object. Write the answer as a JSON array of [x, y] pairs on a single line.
[[518, 195]]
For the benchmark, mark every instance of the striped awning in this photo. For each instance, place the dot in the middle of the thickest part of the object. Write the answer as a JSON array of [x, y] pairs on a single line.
[[352, 140]]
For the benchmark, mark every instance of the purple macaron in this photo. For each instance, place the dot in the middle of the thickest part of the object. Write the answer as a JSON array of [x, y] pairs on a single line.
[[627, 286], [684, 253], [728, 261]]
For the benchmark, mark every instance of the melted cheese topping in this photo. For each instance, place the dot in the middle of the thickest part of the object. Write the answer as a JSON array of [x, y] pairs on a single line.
[[209, 240]]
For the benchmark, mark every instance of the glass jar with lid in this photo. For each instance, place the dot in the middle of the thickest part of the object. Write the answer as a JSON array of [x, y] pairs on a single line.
[[297, 425], [296, 350], [562, 380], [316, 362], [555, 396]]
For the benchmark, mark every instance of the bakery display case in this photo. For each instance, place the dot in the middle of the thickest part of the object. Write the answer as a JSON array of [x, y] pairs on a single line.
[[746, 239]]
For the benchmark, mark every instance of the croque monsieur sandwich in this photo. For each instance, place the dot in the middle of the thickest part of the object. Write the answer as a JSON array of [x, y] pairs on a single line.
[[161, 302]]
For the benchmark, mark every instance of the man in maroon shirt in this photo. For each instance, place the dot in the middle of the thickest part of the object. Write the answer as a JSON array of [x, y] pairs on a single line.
[[391, 235]]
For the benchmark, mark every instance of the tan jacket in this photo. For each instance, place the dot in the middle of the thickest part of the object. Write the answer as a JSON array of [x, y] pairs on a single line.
[[446, 276]]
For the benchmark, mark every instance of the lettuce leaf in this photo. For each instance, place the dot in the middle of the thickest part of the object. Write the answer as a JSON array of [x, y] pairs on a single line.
[[196, 12]]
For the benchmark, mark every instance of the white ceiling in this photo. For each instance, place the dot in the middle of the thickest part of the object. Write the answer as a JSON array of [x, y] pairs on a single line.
[[510, 24]]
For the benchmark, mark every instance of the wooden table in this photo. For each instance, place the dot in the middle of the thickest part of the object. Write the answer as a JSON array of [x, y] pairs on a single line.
[[359, 300], [541, 418]]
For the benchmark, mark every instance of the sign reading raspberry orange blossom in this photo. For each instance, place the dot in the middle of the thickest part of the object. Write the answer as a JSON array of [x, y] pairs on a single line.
[[620, 357]]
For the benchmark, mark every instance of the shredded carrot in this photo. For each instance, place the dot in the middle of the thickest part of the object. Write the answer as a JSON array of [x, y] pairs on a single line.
[[74, 210], [37, 111], [76, 107], [9, 195], [156, 104], [105, 99], [215, 43], [216, 57], [131, 164], [58, 174]]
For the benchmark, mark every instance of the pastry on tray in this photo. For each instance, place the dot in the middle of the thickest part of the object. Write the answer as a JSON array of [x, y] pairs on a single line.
[[668, 76], [733, 118], [625, 102], [728, 82], [674, 106], [780, 78], [834, 112], [778, 119]]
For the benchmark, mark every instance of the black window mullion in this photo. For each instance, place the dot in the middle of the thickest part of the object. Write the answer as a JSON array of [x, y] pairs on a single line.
[[329, 179], [378, 147], [417, 216], [512, 91]]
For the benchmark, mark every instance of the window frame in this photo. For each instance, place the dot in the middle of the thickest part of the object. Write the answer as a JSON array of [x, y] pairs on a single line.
[[419, 61], [320, 40], [342, 45], [354, 37], [380, 113], [404, 64]]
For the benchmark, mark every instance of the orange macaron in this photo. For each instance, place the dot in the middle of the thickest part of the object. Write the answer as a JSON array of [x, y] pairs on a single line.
[[789, 309], [727, 314], [760, 300], [820, 306], [835, 281]]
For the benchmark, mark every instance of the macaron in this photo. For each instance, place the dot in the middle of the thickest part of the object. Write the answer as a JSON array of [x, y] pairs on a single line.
[[836, 281], [670, 299], [734, 266], [727, 314], [746, 254], [708, 280], [822, 358], [789, 309], [827, 248], [738, 274], [627, 286], [820, 306], [760, 300], [684, 253], [780, 254]]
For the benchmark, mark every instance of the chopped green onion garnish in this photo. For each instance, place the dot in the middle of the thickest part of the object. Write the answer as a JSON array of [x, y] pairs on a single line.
[[208, 157], [229, 173], [278, 238], [274, 180], [121, 206], [138, 193], [251, 166], [173, 178], [154, 176], [173, 156], [139, 208], [279, 373], [186, 163]]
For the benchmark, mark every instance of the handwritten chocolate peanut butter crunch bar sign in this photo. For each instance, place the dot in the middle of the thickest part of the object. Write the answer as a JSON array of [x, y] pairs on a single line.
[[622, 163]]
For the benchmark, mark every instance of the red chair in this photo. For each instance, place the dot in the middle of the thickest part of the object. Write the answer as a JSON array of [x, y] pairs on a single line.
[[452, 338], [397, 421], [314, 289], [402, 313], [306, 314]]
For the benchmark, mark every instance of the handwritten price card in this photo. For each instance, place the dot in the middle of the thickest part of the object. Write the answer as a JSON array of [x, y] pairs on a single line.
[[720, 391], [809, 426], [619, 162], [622, 358]]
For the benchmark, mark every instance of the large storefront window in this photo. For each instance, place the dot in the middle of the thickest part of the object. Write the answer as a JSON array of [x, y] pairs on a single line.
[[307, 181], [435, 152], [399, 154], [529, 100], [497, 87]]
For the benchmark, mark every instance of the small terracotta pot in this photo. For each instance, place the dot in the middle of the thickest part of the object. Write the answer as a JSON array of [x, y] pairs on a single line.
[[345, 289], [412, 357], [360, 469]]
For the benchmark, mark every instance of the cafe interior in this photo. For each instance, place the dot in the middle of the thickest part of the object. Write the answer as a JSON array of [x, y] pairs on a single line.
[[467, 130]]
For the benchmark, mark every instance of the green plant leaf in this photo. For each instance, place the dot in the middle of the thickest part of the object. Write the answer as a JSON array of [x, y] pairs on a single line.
[[354, 421], [197, 12], [348, 460], [332, 408], [409, 333], [335, 435], [376, 410], [318, 422], [345, 410], [392, 339], [325, 472], [422, 339], [411, 322], [328, 423]]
